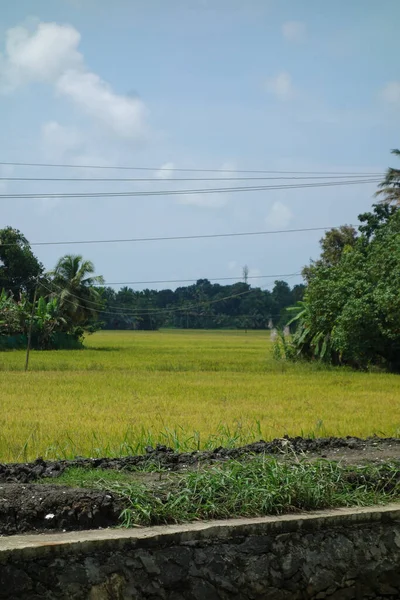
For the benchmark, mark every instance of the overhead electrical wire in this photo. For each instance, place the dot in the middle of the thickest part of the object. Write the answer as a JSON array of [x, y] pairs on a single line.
[[186, 192], [194, 280], [178, 237], [173, 169], [157, 180], [162, 310], [185, 310], [138, 312]]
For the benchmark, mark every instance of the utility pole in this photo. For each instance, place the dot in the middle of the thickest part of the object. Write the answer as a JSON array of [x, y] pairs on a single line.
[[246, 274], [28, 347]]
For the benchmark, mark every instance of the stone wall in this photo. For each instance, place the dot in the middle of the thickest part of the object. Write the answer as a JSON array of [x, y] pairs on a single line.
[[340, 555]]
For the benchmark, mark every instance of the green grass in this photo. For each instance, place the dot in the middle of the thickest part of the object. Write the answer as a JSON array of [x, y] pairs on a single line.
[[255, 487], [91, 478], [186, 389]]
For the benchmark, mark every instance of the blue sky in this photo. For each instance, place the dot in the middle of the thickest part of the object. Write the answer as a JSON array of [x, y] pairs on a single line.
[[223, 84]]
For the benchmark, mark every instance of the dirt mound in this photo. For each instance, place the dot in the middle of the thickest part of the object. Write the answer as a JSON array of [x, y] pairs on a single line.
[[33, 507], [349, 449]]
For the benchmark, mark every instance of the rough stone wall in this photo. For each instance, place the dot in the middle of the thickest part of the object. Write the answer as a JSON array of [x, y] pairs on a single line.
[[340, 557]]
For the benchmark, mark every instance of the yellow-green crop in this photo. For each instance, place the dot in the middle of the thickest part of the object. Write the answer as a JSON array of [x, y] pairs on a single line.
[[187, 389]]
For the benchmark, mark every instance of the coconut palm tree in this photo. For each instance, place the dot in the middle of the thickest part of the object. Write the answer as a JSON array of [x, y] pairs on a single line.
[[72, 282], [390, 186]]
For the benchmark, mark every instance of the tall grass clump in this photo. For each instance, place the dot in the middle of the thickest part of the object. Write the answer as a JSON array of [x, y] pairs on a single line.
[[257, 487]]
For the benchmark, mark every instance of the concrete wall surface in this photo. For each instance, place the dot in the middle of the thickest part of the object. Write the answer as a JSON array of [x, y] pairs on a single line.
[[340, 555]]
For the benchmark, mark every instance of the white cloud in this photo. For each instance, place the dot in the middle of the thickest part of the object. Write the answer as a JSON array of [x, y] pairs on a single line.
[[281, 86], [165, 172], [294, 31], [279, 216], [60, 140], [123, 115], [50, 55], [204, 200], [40, 56], [391, 92]]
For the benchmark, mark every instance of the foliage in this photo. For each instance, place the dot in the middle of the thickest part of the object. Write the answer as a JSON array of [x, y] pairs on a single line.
[[47, 320], [390, 186], [72, 282], [15, 318], [333, 244], [19, 267], [203, 305], [351, 310], [68, 302], [253, 487], [13, 314]]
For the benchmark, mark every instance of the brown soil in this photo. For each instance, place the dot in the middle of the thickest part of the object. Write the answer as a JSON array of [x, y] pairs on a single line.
[[35, 507]]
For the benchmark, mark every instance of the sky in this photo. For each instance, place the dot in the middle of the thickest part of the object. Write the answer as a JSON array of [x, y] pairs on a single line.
[[226, 85]]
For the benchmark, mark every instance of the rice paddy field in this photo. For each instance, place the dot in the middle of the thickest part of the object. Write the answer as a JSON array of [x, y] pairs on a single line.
[[186, 389]]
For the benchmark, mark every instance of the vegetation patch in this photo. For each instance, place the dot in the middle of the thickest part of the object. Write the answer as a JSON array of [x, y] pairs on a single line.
[[265, 478], [254, 487]]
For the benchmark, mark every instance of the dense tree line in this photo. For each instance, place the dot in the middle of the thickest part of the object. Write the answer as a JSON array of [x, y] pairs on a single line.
[[64, 304], [203, 305]]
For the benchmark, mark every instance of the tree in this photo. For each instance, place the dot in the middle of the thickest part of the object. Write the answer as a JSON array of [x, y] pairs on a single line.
[[201, 305], [333, 244], [19, 267], [298, 292], [390, 186], [351, 309], [281, 295], [72, 282]]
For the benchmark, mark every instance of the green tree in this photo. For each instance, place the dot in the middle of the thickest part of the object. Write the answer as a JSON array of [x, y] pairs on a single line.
[[351, 310], [73, 281], [390, 186], [19, 267], [333, 244], [281, 295]]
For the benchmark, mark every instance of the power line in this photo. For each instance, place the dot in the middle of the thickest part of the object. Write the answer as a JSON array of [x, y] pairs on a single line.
[[194, 280], [138, 312], [173, 169], [164, 312], [188, 192], [155, 180], [177, 237], [133, 312]]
